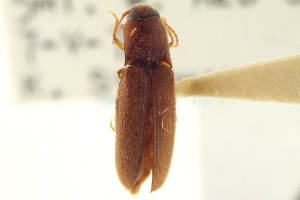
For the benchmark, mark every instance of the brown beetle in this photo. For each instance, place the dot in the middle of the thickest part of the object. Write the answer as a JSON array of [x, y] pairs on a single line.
[[145, 105]]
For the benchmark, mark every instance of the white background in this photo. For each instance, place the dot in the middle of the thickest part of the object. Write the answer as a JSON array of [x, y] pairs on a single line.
[[225, 149]]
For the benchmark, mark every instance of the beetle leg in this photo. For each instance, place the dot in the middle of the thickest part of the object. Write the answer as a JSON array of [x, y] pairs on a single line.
[[119, 72], [116, 41], [111, 125], [162, 62], [171, 33]]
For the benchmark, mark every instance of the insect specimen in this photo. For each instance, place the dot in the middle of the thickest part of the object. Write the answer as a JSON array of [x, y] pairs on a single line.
[[145, 105]]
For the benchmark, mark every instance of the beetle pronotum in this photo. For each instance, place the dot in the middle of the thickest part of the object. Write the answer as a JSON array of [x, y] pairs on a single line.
[[145, 105]]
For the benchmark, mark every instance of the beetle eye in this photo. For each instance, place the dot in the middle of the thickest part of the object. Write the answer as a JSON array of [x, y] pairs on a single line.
[[131, 16]]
